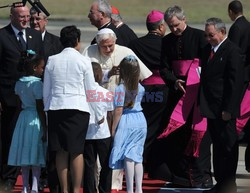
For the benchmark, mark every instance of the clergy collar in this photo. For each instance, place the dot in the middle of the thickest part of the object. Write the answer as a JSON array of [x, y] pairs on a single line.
[[119, 25], [105, 25], [185, 29]]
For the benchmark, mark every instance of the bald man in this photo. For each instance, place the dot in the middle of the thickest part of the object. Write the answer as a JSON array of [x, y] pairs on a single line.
[[14, 39]]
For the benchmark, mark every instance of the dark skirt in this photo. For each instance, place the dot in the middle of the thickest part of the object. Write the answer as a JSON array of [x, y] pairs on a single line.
[[67, 130]]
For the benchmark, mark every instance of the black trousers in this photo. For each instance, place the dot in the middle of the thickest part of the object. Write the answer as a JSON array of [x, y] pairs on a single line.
[[102, 148], [154, 106], [9, 117], [225, 150]]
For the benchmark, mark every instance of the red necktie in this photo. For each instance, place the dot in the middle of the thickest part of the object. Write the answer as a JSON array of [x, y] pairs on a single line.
[[211, 54]]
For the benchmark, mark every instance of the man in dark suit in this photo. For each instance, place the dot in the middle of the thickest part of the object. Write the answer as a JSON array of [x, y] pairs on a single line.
[[240, 29], [51, 43], [239, 33], [52, 46], [221, 84], [14, 39]]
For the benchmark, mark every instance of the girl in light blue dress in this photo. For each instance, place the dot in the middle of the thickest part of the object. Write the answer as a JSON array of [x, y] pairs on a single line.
[[129, 126], [28, 146]]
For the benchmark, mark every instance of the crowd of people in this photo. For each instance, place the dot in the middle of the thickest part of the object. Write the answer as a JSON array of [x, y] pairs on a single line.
[[125, 105]]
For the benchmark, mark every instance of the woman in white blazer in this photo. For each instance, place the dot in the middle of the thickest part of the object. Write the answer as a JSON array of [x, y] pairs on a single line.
[[67, 80]]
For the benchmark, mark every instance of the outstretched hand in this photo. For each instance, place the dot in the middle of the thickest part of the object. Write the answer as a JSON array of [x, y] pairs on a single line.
[[180, 85], [114, 71]]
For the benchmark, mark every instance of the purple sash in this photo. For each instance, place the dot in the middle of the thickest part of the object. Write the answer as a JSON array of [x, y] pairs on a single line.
[[155, 78], [244, 111], [186, 103]]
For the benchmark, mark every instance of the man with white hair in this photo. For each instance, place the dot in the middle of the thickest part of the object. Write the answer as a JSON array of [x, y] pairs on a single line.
[[109, 55], [100, 16], [51, 42]]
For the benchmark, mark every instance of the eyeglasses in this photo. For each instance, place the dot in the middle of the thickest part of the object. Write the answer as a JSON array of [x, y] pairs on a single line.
[[211, 35]]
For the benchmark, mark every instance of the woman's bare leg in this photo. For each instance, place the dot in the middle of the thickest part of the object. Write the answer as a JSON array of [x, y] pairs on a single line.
[[77, 171], [62, 169]]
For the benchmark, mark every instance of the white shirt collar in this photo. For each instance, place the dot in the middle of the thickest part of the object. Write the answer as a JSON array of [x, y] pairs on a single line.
[[119, 25], [237, 17], [217, 47], [16, 31], [43, 35]]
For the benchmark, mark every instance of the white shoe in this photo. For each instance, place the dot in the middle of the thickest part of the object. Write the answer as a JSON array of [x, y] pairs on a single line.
[[33, 191]]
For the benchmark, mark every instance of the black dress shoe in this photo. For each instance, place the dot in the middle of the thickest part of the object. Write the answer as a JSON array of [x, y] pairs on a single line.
[[208, 183], [205, 184], [172, 185]]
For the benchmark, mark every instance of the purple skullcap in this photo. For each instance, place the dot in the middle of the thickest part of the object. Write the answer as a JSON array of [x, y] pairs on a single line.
[[155, 16]]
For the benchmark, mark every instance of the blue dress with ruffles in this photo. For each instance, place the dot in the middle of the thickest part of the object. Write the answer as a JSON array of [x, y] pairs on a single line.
[[27, 148], [131, 131]]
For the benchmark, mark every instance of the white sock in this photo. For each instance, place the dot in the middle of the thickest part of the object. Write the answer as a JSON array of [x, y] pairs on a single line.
[[129, 173], [36, 171], [25, 176], [138, 177]]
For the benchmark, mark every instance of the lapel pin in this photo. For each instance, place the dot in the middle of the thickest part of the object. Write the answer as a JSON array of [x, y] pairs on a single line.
[[30, 37], [220, 59]]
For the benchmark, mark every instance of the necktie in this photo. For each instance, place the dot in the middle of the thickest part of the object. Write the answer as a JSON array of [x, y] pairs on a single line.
[[21, 40], [211, 54]]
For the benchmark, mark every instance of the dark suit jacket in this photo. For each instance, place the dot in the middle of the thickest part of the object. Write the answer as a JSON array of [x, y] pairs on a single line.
[[221, 81], [111, 26], [10, 52], [239, 34], [127, 34], [52, 45]]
